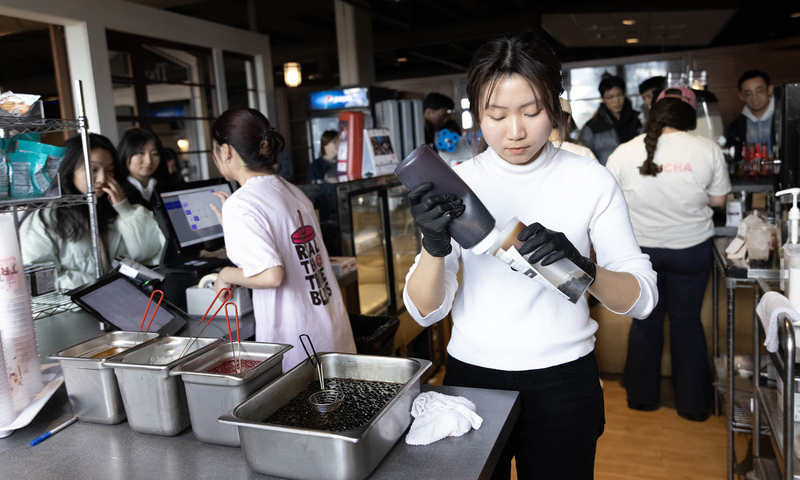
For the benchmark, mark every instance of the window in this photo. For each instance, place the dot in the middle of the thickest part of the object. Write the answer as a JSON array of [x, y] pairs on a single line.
[[240, 80], [169, 89]]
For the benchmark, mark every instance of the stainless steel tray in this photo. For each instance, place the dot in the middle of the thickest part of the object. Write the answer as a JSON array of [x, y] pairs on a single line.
[[91, 386], [302, 453], [155, 401], [209, 395]]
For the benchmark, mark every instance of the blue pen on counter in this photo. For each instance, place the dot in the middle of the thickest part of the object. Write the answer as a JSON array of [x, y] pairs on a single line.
[[41, 438]]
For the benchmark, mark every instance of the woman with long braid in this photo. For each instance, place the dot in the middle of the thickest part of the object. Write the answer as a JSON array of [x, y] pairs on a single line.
[[671, 179]]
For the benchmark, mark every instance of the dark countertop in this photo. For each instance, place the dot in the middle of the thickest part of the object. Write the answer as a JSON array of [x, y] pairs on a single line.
[[88, 450]]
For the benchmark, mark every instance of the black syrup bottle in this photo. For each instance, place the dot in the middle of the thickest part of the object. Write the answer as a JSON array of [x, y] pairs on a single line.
[[476, 229]]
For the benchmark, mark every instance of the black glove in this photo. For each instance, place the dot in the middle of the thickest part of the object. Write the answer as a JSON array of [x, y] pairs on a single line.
[[432, 216], [549, 246]]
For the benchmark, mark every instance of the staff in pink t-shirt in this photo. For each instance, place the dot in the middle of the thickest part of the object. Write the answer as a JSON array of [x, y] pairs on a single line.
[[272, 235]]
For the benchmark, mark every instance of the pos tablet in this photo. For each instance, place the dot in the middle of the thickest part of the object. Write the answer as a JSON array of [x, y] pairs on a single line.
[[116, 301]]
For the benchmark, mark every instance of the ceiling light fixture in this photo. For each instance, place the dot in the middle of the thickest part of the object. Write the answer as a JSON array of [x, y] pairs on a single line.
[[402, 59], [632, 40], [291, 74], [629, 22], [794, 15]]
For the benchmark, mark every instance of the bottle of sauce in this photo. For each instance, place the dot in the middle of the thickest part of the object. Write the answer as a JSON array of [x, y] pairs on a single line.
[[476, 229]]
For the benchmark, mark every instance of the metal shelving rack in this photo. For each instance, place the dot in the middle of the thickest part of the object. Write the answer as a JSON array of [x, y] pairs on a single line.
[[56, 302], [786, 465], [736, 400]]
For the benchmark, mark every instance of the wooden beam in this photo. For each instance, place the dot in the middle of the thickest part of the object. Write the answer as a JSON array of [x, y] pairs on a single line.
[[58, 46]]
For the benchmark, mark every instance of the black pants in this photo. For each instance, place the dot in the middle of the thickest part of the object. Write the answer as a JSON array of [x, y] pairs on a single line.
[[682, 278], [561, 418]]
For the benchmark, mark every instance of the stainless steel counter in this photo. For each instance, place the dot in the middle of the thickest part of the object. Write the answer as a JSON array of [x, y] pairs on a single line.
[[87, 450]]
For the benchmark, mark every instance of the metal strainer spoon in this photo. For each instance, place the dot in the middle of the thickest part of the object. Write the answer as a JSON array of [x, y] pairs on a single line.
[[325, 400]]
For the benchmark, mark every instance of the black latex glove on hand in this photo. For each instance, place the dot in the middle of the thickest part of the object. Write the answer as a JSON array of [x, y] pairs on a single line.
[[549, 246], [433, 216]]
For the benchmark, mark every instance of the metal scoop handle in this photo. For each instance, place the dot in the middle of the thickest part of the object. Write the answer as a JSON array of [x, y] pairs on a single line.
[[313, 359], [202, 327], [152, 317], [238, 359]]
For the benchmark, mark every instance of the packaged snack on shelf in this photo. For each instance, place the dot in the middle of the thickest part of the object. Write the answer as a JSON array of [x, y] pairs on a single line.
[[4, 188], [11, 142], [28, 178], [54, 154], [16, 104]]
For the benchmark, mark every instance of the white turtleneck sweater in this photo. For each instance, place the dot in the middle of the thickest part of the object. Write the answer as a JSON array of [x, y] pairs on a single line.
[[505, 321]]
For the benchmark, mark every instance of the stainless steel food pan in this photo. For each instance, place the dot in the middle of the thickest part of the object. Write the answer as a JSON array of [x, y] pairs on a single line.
[[155, 401], [91, 386], [209, 395], [302, 453]]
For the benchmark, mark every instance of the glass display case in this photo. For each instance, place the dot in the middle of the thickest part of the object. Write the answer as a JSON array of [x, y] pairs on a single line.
[[404, 238], [369, 219]]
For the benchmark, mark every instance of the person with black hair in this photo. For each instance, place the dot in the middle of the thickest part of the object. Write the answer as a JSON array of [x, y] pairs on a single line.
[[511, 333], [139, 167], [756, 123], [615, 121], [62, 236], [671, 179], [649, 90], [323, 169], [174, 171], [273, 237], [436, 109]]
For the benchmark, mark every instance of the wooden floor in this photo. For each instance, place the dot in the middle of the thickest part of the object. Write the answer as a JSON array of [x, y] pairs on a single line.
[[657, 445]]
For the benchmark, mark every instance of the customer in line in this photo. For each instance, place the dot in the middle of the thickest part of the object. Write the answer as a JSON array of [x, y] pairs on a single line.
[[323, 169], [436, 110], [139, 167], [649, 91], [671, 179], [511, 333], [273, 237], [62, 236], [756, 123], [615, 121]]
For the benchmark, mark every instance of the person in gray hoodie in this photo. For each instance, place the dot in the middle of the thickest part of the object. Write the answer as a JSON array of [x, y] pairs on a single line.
[[614, 123], [756, 123]]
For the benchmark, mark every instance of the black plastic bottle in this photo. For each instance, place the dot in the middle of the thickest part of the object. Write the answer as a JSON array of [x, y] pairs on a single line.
[[476, 229]]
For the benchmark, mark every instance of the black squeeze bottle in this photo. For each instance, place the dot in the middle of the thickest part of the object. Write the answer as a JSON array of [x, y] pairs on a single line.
[[476, 229]]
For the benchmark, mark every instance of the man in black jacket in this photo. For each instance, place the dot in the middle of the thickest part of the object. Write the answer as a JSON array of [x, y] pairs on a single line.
[[756, 124], [615, 121]]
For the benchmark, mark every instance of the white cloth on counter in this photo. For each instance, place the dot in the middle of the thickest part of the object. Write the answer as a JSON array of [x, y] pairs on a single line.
[[772, 304], [437, 416]]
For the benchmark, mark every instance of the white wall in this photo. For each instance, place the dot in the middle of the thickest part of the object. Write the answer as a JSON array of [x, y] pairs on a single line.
[[86, 21]]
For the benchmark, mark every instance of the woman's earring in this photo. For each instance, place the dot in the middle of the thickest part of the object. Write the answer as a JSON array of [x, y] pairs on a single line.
[[228, 160]]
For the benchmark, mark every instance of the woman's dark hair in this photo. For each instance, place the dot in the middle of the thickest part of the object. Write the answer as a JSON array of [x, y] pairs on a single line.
[[72, 223], [667, 112], [249, 133], [131, 143], [526, 54], [327, 137], [609, 82]]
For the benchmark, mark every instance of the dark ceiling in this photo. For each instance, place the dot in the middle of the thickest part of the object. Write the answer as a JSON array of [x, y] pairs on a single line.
[[439, 37]]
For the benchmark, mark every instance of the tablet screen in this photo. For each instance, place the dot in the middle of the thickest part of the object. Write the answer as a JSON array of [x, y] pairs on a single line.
[[123, 305]]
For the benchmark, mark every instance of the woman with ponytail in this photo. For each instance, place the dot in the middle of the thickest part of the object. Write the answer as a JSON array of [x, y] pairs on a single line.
[[272, 235], [671, 179]]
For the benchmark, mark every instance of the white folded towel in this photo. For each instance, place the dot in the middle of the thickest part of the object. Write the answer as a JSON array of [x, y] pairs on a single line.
[[437, 416], [771, 305]]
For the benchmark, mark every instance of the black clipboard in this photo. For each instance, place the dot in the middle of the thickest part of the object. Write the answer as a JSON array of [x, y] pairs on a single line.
[[117, 301]]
